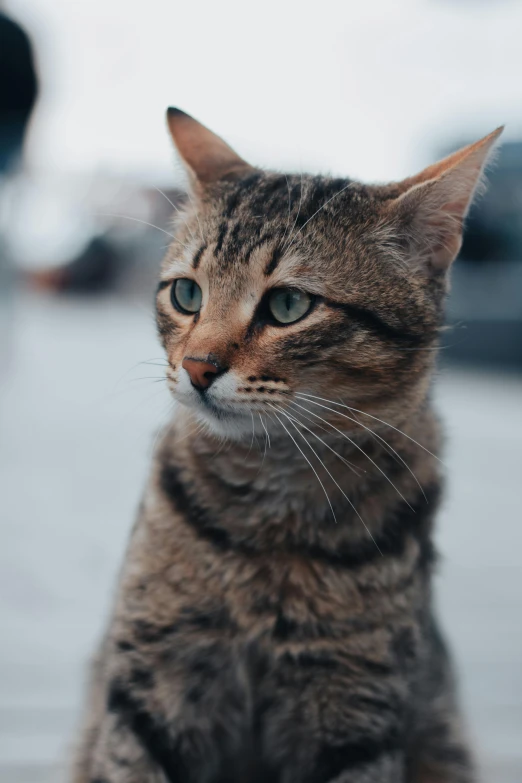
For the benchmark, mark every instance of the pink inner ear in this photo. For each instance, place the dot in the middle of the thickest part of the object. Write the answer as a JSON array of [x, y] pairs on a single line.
[[436, 202], [444, 232], [457, 209], [445, 251], [206, 155], [471, 157]]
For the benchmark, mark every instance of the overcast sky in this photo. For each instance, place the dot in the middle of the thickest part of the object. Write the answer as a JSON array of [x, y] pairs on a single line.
[[368, 89]]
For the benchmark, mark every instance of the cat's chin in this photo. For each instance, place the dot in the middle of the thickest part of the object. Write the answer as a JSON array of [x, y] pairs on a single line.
[[221, 422], [228, 425]]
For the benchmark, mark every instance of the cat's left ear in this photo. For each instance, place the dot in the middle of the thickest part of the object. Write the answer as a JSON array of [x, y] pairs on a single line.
[[429, 213], [207, 157]]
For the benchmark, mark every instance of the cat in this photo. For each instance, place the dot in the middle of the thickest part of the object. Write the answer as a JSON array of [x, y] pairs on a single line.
[[273, 619]]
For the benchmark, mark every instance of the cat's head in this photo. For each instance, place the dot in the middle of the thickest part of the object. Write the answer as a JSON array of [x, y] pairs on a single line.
[[282, 289]]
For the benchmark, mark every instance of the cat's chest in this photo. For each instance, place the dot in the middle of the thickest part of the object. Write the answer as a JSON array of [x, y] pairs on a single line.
[[283, 596], [194, 584]]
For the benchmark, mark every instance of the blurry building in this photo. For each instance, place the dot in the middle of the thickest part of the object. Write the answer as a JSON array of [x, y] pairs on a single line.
[[485, 306]]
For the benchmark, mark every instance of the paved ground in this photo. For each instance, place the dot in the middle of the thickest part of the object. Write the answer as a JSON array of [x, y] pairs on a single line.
[[76, 433]]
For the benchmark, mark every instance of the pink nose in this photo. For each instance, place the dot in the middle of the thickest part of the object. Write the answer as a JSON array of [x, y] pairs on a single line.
[[201, 373]]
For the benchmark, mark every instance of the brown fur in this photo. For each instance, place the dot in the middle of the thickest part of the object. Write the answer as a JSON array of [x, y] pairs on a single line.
[[273, 620]]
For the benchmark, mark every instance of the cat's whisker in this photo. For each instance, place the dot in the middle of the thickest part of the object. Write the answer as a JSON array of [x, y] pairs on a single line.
[[148, 361], [163, 432], [323, 429], [146, 223], [148, 378], [166, 197], [387, 447], [349, 185], [385, 443], [343, 493], [395, 454], [253, 434], [306, 458], [289, 211], [345, 461], [386, 424], [193, 433], [356, 445], [267, 442], [177, 209], [224, 442], [189, 194], [289, 241]]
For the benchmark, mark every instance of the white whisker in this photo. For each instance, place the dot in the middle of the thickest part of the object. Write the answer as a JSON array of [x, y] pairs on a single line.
[[349, 185], [177, 209], [385, 442], [334, 481], [145, 223], [253, 434], [345, 461], [306, 458], [199, 427], [221, 447], [324, 429], [356, 445], [289, 241], [289, 211], [267, 441], [266, 431], [386, 424], [197, 216]]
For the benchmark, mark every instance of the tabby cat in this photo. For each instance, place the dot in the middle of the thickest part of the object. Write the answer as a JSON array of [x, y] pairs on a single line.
[[274, 620]]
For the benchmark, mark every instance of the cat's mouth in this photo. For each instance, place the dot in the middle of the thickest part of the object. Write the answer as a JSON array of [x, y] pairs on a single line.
[[218, 411], [223, 411], [224, 420]]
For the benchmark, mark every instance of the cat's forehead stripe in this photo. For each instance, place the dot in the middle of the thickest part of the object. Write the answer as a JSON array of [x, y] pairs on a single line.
[[270, 207], [197, 256]]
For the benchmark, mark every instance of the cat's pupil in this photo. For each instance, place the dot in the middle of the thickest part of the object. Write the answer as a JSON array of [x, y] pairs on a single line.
[[287, 306]]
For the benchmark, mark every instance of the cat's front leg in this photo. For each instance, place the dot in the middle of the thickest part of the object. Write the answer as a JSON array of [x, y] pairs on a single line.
[[178, 716], [367, 759], [390, 768], [119, 756], [338, 716]]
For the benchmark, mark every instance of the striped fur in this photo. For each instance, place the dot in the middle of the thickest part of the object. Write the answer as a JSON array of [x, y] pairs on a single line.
[[265, 629]]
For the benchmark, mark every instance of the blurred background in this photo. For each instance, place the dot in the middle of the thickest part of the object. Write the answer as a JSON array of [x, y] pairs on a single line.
[[374, 90]]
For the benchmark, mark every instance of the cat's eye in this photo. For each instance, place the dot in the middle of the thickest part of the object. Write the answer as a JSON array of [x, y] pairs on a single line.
[[186, 296], [288, 305]]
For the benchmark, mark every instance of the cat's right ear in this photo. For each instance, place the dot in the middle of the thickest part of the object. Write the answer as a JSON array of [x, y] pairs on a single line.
[[206, 156], [429, 214]]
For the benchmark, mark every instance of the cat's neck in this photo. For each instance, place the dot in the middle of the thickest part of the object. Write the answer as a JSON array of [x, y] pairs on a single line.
[[272, 494]]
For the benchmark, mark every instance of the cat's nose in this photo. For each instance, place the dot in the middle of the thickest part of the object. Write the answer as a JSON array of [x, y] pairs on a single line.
[[201, 372]]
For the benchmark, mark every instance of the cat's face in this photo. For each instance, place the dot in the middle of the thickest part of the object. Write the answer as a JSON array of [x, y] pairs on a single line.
[[283, 290]]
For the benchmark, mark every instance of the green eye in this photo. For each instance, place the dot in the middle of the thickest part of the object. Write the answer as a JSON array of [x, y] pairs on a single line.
[[288, 305], [186, 295]]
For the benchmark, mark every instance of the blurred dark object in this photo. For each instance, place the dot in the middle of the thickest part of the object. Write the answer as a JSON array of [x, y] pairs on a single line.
[[93, 271], [122, 251], [18, 90], [485, 305]]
